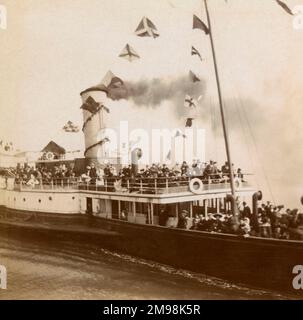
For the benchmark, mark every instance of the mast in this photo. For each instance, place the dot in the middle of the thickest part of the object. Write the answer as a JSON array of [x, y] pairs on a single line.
[[225, 131]]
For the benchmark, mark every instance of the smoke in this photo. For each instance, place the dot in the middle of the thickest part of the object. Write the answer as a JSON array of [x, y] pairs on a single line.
[[152, 93]]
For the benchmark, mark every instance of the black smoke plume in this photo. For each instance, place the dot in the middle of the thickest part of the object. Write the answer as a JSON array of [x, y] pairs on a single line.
[[151, 93]]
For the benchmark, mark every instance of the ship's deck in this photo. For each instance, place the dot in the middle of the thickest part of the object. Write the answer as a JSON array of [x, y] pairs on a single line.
[[146, 186]]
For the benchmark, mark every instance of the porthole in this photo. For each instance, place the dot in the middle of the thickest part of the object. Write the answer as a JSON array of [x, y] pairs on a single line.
[[24, 199], [73, 198], [39, 200], [14, 199], [50, 198]]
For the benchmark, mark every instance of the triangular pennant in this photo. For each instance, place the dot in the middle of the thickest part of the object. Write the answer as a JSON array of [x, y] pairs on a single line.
[[195, 52], [199, 24], [193, 77]]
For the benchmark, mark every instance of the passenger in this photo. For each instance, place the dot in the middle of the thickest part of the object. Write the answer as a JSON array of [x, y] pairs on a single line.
[[246, 212], [196, 222], [265, 227], [92, 173], [163, 216], [225, 170], [183, 220], [107, 171], [240, 175], [297, 232], [195, 169], [245, 228], [184, 169], [32, 182], [124, 214], [177, 170], [284, 226]]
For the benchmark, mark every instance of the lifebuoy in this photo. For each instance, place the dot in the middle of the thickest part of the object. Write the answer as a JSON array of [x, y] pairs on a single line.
[[49, 156], [193, 186]]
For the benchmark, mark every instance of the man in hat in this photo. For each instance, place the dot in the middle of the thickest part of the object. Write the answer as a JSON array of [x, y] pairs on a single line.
[[182, 221], [225, 169], [93, 173], [246, 212]]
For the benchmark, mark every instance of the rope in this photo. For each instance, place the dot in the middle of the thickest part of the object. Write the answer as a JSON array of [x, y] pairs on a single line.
[[246, 140], [93, 114], [96, 144], [257, 151]]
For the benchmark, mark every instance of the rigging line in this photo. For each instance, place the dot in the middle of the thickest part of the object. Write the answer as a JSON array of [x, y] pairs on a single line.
[[257, 151], [213, 129], [250, 131], [246, 140]]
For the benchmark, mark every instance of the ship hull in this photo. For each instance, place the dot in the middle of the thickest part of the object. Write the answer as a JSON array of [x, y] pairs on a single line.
[[261, 263]]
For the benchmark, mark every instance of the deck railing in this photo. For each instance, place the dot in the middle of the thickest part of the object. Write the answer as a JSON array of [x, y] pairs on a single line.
[[148, 185]]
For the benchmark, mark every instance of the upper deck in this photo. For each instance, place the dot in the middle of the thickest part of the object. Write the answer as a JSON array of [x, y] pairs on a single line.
[[168, 188]]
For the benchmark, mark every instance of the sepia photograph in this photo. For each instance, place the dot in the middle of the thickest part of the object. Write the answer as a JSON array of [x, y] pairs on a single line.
[[151, 150]]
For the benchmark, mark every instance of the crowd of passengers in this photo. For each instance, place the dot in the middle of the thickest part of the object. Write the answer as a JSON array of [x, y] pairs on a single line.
[[32, 177], [272, 222], [206, 171], [61, 173]]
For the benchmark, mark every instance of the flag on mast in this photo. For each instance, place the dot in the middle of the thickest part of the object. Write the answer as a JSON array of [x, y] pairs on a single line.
[[70, 127], [193, 77], [199, 24], [285, 7], [190, 102], [129, 53], [195, 52], [189, 122], [146, 29]]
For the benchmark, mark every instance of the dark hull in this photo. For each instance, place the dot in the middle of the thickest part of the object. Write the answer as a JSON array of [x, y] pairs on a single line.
[[262, 263]]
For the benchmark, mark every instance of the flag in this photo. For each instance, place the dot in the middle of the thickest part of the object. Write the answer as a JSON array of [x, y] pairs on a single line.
[[190, 102], [90, 105], [194, 52], [70, 127], [129, 53], [193, 77], [146, 29], [285, 7], [189, 122], [199, 24]]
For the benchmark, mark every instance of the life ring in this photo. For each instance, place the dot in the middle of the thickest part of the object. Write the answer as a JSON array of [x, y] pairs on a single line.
[[193, 186], [49, 156]]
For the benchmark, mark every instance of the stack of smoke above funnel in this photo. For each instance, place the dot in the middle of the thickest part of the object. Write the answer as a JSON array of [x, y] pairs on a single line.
[[96, 117]]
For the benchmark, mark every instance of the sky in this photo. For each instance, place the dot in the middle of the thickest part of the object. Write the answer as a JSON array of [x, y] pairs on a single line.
[[54, 49]]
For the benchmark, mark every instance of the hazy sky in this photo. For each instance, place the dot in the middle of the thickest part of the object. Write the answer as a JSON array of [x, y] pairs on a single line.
[[54, 49]]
